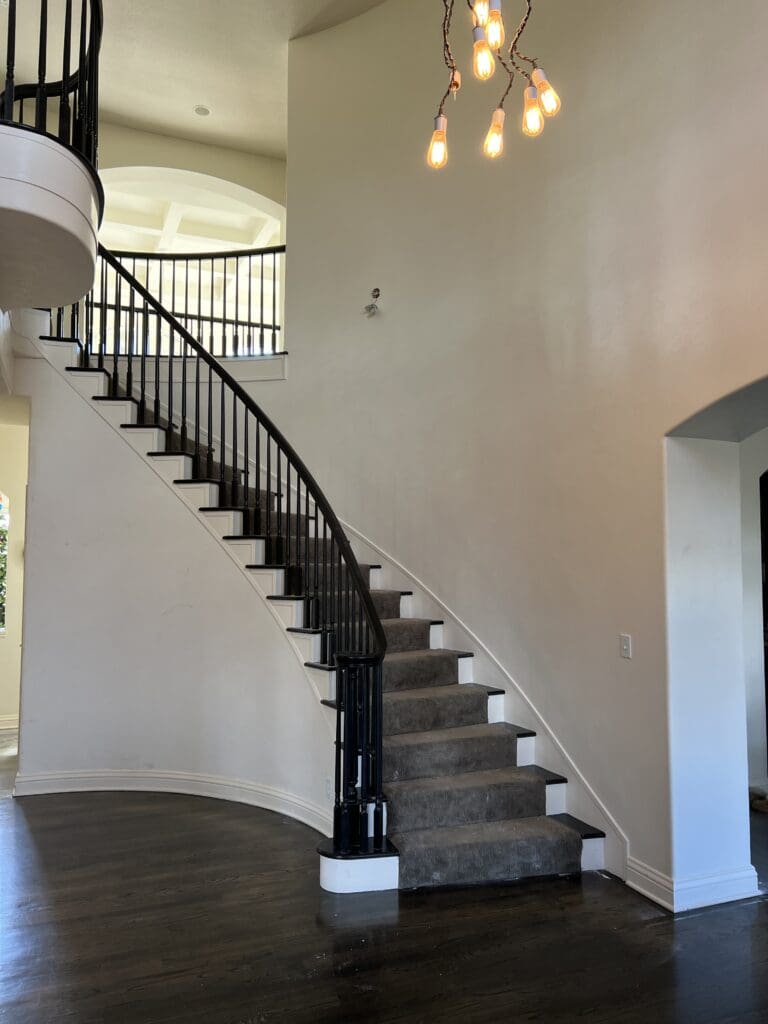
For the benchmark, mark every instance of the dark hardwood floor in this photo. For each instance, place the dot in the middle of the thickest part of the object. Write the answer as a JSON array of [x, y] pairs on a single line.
[[140, 909]]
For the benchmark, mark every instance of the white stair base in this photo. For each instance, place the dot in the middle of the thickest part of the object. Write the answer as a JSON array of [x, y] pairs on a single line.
[[359, 874]]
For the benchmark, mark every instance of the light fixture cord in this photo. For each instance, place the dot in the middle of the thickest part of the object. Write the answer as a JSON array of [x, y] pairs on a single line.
[[513, 50], [450, 61]]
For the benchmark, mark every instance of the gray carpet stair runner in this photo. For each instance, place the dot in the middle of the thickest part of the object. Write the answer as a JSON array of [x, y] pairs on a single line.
[[461, 811]]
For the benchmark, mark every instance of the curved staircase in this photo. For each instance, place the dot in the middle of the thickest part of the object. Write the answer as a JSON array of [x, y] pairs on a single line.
[[432, 785]]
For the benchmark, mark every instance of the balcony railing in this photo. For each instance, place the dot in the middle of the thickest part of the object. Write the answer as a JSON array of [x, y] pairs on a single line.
[[52, 72]]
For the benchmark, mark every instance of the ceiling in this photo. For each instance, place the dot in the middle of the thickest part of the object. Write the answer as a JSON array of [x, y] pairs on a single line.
[[160, 60]]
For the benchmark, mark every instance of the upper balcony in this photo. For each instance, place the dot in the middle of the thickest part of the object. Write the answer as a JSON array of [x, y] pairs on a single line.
[[51, 199]]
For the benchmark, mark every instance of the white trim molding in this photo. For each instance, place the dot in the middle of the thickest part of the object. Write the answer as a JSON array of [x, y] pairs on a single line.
[[187, 783], [678, 895], [9, 721]]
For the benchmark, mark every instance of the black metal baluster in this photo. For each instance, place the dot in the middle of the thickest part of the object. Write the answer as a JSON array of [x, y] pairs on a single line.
[[78, 133], [213, 321], [235, 497], [41, 104], [184, 359], [261, 303], [116, 338], [222, 439], [64, 112], [158, 348], [209, 459], [224, 309], [196, 462], [250, 317], [258, 525], [144, 347], [274, 302], [237, 305], [10, 67], [129, 351], [246, 472]]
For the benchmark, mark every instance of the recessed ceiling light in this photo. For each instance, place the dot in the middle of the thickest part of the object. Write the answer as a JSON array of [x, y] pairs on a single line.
[[202, 111]]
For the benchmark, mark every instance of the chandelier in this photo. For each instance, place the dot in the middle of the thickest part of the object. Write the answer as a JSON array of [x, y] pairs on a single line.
[[540, 100]]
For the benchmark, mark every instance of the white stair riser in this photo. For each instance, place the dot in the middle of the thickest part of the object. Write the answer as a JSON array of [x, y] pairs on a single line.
[[406, 606], [60, 355], [224, 522], [198, 495], [118, 413], [593, 854], [376, 579], [176, 468], [556, 798], [495, 708], [249, 552], [308, 645], [148, 439], [291, 612], [526, 750], [88, 384], [268, 581], [325, 682], [466, 670], [436, 637]]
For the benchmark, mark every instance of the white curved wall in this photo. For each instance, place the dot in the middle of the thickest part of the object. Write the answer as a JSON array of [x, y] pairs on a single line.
[[149, 660], [48, 222]]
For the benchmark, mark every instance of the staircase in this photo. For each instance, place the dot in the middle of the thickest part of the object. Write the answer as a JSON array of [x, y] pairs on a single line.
[[432, 785]]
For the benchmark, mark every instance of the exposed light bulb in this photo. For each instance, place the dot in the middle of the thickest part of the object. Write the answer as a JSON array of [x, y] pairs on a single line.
[[548, 98], [494, 30], [494, 140], [483, 61], [480, 9], [533, 119], [437, 154]]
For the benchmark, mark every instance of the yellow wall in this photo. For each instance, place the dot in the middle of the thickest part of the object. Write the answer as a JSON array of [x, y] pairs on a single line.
[[14, 436]]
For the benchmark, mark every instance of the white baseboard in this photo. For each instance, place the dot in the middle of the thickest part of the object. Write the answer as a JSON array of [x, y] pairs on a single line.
[[9, 721], [189, 783], [690, 893]]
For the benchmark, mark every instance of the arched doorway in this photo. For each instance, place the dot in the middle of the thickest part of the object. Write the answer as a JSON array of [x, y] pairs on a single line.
[[715, 639]]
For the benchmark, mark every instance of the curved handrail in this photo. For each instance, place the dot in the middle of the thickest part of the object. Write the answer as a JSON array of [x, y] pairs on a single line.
[[313, 487], [181, 257]]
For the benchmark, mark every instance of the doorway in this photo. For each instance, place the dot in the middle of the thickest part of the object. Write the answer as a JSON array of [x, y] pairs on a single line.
[[14, 443]]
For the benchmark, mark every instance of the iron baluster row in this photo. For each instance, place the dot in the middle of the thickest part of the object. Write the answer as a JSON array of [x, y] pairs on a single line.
[[155, 358]]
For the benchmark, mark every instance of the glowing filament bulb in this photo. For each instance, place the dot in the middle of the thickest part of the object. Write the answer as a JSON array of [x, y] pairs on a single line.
[[494, 30], [533, 119], [483, 62], [480, 9], [548, 98], [494, 140], [437, 154]]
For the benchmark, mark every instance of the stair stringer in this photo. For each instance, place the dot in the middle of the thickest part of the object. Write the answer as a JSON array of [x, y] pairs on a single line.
[[59, 355], [581, 799]]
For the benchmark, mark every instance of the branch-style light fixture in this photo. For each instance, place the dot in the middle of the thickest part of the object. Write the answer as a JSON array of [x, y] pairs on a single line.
[[540, 100]]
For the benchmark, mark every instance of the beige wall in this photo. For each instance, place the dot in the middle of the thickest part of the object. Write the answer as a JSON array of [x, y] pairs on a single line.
[[546, 319], [14, 435], [127, 147]]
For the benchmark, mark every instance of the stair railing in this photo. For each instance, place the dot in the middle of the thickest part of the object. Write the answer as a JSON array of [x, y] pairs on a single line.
[[181, 388], [63, 101], [229, 301]]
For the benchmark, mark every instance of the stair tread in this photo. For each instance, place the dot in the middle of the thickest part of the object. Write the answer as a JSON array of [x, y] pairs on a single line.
[[585, 830], [469, 780], [423, 622], [462, 732], [449, 692], [426, 652]]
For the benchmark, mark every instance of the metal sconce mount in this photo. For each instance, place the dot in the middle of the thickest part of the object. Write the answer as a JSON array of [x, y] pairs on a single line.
[[373, 307]]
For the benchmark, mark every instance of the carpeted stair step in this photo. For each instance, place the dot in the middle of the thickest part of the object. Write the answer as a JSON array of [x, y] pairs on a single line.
[[494, 851], [472, 797], [407, 634], [435, 707], [387, 602], [471, 748], [412, 670]]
